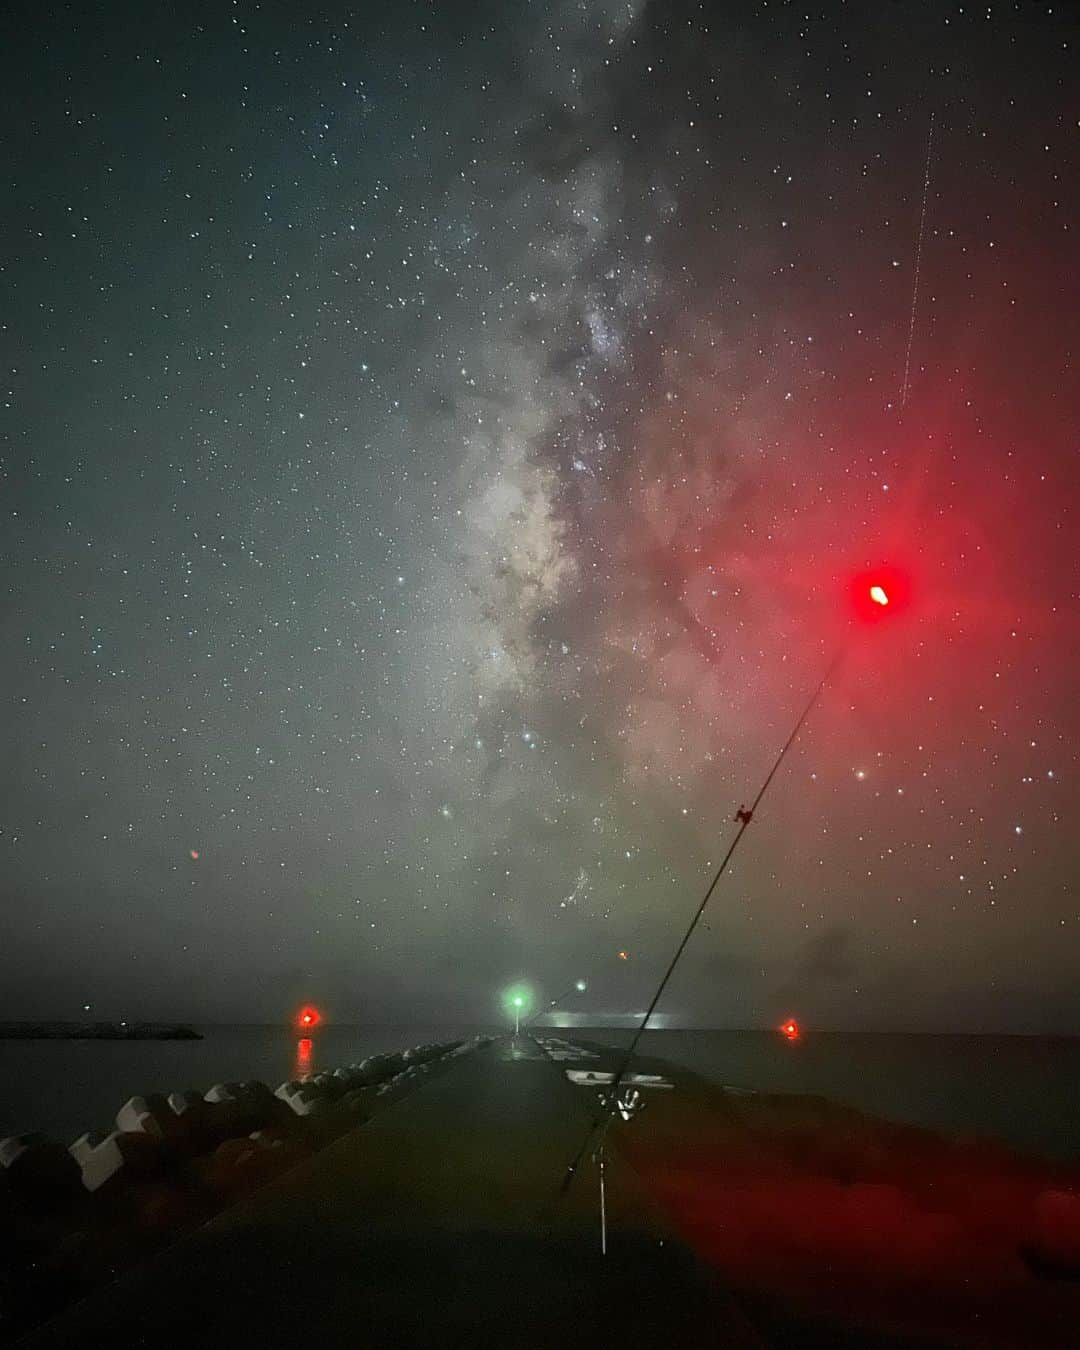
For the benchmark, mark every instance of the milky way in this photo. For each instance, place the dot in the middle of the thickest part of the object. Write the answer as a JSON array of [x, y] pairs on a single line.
[[435, 449]]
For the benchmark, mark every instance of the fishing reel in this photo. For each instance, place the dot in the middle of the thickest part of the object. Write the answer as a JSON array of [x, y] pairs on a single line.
[[628, 1102]]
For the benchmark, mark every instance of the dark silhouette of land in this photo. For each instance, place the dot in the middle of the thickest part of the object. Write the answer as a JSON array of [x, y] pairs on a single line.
[[96, 1031]]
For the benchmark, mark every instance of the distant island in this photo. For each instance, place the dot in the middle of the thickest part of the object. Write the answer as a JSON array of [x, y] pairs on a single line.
[[96, 1031]]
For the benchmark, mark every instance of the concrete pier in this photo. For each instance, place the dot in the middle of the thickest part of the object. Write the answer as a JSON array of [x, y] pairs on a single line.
[[437, 1223]]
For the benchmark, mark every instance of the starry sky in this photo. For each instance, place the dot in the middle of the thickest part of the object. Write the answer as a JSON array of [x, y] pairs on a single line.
[[435, 440]]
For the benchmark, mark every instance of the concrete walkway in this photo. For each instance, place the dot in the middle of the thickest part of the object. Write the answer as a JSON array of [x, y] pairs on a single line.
[[435, 1224]]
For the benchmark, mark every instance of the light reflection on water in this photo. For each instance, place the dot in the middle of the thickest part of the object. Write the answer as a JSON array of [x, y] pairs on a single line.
[[1025, 1089]]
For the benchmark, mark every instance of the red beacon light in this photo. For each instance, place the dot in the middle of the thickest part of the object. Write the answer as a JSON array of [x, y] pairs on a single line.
[[308, 1018], [790, 1029], [879, 594]]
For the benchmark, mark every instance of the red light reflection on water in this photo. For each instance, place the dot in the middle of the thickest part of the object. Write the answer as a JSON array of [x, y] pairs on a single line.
[[303, 1057]]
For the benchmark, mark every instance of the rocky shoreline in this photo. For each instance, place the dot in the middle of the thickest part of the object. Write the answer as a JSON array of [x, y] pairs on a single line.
[[831, 1227], [73, 1218]]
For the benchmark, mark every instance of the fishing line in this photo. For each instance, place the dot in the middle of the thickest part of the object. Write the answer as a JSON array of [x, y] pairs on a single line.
[[743, 816], [918, 264]]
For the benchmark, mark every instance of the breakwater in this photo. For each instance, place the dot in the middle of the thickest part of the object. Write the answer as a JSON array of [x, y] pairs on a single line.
[[72, 1218]]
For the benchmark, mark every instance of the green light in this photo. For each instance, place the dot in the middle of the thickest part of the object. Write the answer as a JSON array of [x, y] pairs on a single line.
[[517, 996]]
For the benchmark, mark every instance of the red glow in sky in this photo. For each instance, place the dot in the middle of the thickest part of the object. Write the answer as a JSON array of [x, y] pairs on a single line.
[[308, 1017], [879, 593]]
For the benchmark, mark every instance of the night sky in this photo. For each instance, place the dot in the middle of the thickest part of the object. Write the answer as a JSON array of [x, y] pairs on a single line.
[[435, 441]]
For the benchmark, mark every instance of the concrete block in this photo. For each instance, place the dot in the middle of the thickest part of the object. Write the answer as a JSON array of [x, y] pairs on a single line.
[[185, 1123], [225, 1120], [284, 1147], [237, 1152], [262, 1103], [181, 1103], [369, 1071], [423, 1054], [235, 1166], [239, 1108], [365, 1073], [135, 1117], [274, 1139], [304, 1099], [330, 1085], [201, 1123], [38, 1170], [356, 1104], [115, 1159], [155, 1115], [378, 1068], [247, 1095]]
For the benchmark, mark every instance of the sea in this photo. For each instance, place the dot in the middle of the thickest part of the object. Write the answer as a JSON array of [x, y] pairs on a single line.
[[1023, 1090]]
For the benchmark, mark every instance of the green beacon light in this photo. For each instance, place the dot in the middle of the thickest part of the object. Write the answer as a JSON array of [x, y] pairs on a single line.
[[516, 1001]]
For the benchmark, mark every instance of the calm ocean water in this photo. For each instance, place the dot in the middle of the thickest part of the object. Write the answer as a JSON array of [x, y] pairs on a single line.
[[1023, 1089]]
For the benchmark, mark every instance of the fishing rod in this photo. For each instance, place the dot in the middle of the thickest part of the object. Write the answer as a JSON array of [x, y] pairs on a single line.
[[744, 815], [578, 987], [874, 598]]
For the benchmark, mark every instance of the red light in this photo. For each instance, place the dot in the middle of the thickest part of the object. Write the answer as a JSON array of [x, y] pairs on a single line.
[[790, 1029], [308, 1017], [624, 956], [194, 854], [879, 593]]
